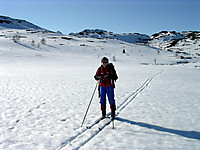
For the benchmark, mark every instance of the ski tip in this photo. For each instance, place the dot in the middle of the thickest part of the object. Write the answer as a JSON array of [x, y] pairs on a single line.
[[88, 127]]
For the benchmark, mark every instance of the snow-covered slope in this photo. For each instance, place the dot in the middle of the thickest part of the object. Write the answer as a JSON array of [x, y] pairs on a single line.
[[7, 22], [101, 34], [186, 45], [167, 35], [46, 82]]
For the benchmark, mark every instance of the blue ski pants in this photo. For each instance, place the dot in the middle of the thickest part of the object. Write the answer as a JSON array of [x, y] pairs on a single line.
[[110, 94]]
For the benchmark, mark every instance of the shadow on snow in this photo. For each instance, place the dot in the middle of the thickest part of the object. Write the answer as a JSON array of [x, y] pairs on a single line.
[[187, 134]]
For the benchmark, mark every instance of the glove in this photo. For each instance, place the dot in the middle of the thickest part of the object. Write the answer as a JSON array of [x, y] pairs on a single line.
[[107, 77], [97, 77]]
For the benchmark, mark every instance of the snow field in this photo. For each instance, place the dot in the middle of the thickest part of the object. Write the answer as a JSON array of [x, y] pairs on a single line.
[[45, 92], [154, 120]]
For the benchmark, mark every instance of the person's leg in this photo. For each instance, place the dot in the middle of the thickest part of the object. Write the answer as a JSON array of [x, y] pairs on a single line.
[[110, 93], [103, 101]]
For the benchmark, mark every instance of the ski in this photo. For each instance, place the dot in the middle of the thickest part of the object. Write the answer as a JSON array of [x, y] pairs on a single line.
[[107, 123], [96, 122]]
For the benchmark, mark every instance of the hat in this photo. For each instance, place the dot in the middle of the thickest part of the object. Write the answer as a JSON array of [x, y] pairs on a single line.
[[104, 59]]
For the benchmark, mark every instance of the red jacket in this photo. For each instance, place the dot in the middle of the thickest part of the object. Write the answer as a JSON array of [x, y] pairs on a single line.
[[105, 76]]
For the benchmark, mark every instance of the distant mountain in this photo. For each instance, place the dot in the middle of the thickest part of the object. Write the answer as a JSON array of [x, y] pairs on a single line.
[[186, 42], [101, 34], [182, 43], [167, 35], [7, 22]]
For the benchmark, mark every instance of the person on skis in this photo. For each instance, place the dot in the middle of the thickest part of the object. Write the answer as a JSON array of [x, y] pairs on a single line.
[[107, 75]]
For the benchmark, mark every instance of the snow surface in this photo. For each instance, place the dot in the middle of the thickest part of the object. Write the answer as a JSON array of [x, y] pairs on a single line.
[[45, 91]]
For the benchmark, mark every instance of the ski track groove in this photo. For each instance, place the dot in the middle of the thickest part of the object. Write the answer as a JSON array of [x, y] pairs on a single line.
[[68, 143]]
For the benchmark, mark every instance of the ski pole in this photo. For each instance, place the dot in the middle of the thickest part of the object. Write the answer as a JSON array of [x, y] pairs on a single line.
[[89, 103], [112, 108]]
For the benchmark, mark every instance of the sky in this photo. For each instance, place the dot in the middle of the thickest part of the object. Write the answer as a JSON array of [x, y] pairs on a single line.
[[118, 16]]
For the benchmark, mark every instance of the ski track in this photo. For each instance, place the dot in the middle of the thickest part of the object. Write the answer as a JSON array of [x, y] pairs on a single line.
[[79, 140]]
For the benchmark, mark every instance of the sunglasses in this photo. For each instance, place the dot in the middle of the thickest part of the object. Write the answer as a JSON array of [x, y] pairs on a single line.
[[104, 62]]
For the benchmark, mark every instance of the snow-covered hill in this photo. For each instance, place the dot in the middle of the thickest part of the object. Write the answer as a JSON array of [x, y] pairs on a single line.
[[186, 44], [101, 34], [46, 83], [7, 22]]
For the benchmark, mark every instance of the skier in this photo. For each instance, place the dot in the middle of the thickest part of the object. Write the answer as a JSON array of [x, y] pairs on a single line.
[[107, 75]]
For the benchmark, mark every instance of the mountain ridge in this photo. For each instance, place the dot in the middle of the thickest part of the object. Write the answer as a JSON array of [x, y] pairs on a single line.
[[8, 22], [186, 42]]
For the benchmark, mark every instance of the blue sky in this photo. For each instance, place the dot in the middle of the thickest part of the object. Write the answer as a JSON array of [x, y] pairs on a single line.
[[119, 16]]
